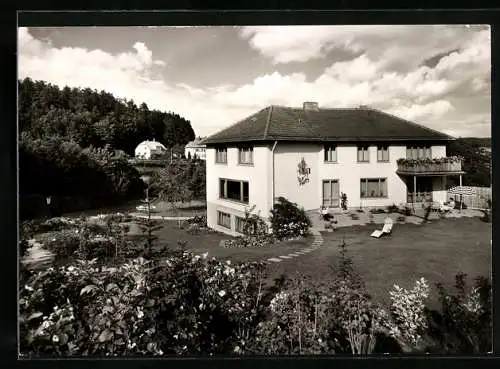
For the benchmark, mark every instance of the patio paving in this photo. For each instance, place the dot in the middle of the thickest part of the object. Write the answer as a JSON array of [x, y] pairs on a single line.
[[344, 218]]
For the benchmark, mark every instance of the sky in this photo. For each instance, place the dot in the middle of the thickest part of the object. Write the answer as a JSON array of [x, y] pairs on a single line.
[[435, 75]]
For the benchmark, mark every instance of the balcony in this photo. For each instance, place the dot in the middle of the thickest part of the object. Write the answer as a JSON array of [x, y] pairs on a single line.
[[430, 167]]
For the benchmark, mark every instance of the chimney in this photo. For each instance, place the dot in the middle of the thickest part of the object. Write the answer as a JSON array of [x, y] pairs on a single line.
[[310, 106]]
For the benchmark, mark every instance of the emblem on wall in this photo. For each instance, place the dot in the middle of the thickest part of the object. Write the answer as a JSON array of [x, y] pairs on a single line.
[[303, 172]]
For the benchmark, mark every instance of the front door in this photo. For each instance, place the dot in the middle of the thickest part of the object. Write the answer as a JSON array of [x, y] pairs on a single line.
[[331, 195]]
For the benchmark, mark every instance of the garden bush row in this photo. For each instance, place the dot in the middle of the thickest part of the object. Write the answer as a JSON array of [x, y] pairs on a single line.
[[186, 304]]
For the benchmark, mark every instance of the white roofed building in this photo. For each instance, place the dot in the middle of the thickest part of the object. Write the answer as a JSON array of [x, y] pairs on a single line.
[[196, 149], [149, 149]]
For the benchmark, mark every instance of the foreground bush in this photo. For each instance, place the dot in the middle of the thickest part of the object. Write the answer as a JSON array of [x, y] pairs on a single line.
[[463, 323], [288, 220], [184, 304]]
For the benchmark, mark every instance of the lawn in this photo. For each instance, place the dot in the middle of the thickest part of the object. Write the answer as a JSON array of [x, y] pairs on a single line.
[[436, 251], [170, 234]]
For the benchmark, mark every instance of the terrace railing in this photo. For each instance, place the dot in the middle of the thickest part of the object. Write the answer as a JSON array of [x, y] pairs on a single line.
[[444, 165]]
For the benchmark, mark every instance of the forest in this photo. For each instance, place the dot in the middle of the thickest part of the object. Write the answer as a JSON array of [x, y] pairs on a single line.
[[74, 146], [476, 162]]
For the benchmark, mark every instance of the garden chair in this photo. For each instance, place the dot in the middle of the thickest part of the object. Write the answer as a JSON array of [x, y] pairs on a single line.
[[386, 229]]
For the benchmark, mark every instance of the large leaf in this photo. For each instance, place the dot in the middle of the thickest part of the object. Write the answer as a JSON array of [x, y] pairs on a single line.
[[106, 335], [88, 289], [34, 316]]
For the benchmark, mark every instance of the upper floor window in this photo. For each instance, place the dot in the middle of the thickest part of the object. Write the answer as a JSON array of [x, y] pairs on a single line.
[[383, 153], [234, 190], [221, 155], [418, 152], [245, 155], [363, 154], [331, 153]]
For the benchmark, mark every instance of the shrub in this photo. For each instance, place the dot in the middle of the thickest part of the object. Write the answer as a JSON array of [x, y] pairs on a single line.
[[184, 304], [407, 311], [310, 319], [463, 324], [56, 224], [392, 208], [288, 220], [64, 244], [377, 211], [406, 211]]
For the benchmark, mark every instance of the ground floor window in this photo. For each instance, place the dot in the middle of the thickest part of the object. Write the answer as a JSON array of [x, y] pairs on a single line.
[[240, 224], [224, 219], [331, 194], [234, 190], [373, 187]]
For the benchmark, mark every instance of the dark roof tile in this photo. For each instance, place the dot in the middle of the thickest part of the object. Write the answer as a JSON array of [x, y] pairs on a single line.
[[283, 123]]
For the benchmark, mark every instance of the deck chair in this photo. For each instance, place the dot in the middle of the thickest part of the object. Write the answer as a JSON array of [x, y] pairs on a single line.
[[386, 229]]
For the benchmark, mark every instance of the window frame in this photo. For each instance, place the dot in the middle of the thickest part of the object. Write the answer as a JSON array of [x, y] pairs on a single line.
[[239, 220], [223, 194], [382, 149], [219, 150], [219, 213], [363, 149], [412, 152], [365, 182], [330, 149], [243, 149]]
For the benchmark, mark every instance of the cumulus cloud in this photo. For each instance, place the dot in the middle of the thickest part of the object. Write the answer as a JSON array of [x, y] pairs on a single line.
[[386, 71]]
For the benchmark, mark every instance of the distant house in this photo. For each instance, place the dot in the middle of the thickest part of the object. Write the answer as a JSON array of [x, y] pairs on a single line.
[[196, 148], [149, 149], [311, 156]]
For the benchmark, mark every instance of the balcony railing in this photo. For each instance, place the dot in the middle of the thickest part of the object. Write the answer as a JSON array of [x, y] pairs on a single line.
[[441, 165]]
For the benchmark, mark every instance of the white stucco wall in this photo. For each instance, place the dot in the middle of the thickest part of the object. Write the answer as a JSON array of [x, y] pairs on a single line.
[[259, 182], [349, 172], [287, 157], [438, 151]]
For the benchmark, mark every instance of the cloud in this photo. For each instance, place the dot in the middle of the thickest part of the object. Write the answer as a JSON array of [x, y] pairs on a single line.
[[390, 75], [408, 44]]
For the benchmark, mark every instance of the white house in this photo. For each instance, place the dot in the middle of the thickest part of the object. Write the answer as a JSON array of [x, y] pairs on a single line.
[[196, 148], [149, 149], [311, 155]]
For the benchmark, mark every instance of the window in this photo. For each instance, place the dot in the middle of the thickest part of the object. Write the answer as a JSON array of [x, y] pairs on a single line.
[[363, 154], [224, 219], [418, 152], [240, 224], [245, 155], [373, 187], [382, 153], [331, 153], [221, 155], [233, 190]]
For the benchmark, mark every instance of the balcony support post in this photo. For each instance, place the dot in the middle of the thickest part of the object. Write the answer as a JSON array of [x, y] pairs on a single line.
[[414, 192]]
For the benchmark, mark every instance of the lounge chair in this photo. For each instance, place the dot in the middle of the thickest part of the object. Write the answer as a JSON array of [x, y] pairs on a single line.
[[386, 229]]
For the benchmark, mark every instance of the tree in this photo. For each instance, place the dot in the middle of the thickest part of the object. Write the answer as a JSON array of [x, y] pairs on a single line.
[[476, 163], [170, 184]]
